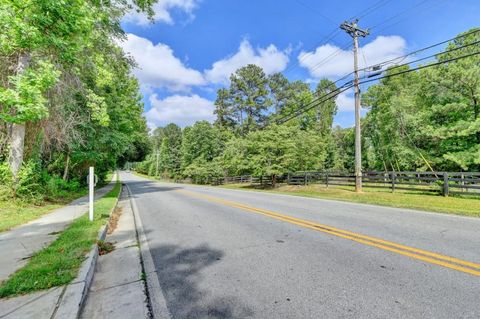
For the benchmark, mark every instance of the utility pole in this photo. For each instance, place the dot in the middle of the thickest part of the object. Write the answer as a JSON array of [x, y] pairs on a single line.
[[156, 171], [354, 31]]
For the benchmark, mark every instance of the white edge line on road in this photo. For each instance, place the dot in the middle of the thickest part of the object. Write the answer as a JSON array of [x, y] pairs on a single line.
[[157, 299]]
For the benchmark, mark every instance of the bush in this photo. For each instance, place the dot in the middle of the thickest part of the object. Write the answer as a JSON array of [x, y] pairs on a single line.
[[202, 172], [33, 184], [29, 182], [56, 187]]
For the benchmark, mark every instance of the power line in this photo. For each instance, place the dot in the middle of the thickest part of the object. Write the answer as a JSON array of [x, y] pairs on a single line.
[[399, 14], [370, 9], [421, 67], [366, 12], [306, 55], [316, 11], [403, 57], [333, 34], [434, 55], [314, 103], [330, 57]]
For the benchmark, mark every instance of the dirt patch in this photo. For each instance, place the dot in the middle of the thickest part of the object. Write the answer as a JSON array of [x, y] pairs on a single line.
[[113, 221]]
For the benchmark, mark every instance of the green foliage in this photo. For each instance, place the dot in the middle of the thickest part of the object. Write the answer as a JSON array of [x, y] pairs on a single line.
[[64, 76], [423, 120], [428, 119], [24, 100]]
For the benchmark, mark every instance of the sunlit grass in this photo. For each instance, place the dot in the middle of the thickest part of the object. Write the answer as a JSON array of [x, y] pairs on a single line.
[[58, 263], [402, 199]]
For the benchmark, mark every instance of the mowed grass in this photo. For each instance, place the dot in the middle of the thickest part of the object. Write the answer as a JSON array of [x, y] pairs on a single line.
[[58, 264], [466, 206], [14, 213], [457, 205]]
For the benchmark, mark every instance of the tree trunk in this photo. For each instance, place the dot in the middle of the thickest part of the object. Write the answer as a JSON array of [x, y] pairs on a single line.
[[15, 158], [65, 172]]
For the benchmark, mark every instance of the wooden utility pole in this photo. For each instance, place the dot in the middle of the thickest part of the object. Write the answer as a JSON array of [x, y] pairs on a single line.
[[352, 29]]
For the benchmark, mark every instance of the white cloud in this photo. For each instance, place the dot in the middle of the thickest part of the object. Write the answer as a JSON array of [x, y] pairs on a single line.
[[158, 67], [329, 60], [346, 101], [270, 59], [162, 10], [180, 109]]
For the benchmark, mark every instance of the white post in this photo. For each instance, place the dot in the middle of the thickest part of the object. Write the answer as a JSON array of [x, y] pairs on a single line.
[[91, 184]]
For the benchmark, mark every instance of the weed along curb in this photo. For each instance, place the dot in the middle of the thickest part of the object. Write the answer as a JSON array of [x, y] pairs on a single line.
[[74, 294]]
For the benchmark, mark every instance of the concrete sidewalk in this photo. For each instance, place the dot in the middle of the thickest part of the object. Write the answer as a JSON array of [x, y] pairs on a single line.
[[20, 243], [117, 290]]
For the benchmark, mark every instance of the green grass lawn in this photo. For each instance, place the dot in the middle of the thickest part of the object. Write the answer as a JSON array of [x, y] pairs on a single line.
[[403, 199], [14, 213], [58, 263], [458, 205]]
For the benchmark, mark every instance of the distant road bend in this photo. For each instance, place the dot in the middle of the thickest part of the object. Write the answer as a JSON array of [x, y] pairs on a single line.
[[222, 253]]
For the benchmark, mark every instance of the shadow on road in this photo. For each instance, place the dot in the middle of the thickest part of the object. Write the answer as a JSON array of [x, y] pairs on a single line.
[[146, 187], [179, 275]]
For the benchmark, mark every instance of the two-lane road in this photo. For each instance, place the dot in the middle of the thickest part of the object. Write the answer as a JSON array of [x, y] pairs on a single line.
[[222, 253]]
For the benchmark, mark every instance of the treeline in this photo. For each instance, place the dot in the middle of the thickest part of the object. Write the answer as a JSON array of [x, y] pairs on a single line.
[[67, 96], [422, 120]]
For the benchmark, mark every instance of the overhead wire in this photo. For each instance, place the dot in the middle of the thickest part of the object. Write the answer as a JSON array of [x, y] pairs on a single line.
[[403, 57], [333, 34], [362, 14], [347, 85]]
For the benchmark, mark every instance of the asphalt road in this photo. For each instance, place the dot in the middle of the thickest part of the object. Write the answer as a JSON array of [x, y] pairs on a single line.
[[236, 254]]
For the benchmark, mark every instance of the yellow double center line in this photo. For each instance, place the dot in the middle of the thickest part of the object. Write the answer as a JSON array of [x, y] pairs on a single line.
[[416, 253]]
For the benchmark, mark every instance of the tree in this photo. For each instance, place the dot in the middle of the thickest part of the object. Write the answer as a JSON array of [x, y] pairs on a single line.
[[225, 110], [170, 150], [327, 109], [249, 92], [201, 145], [451, 94], [66, 86]]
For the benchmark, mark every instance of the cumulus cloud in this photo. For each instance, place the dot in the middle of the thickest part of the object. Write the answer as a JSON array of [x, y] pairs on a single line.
[[162, 10], [270, 59], [346, 101], [158, 67], [180, 109], [329, 60]]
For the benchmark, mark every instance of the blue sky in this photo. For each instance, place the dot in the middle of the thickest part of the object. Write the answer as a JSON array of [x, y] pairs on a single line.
[[193, 45]]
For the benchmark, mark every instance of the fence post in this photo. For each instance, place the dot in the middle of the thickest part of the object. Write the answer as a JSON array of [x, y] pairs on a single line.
[[288, 178], [394, 176], [326, 179], [462, 181], [445, 184], [305, 180]]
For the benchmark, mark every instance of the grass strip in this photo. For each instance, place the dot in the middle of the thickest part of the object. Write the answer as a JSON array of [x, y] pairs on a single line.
[[58, 264], [456, 205], [17, 212]]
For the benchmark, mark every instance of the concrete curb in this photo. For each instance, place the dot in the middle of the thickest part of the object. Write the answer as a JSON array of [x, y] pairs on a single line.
[[156, 299], [72, 298]]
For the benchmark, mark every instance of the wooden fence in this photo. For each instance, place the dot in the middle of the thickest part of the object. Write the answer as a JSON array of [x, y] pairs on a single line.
[[466, 183]]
